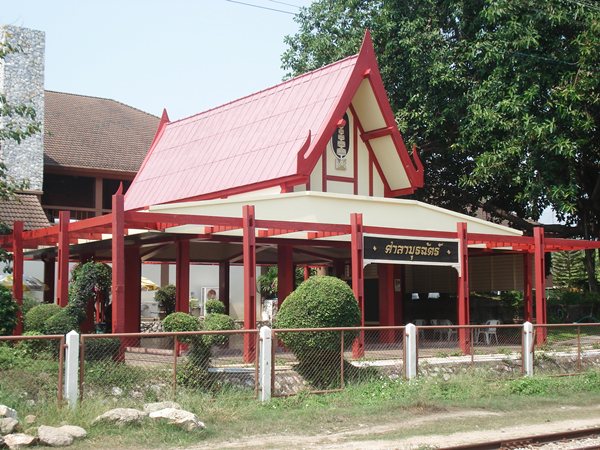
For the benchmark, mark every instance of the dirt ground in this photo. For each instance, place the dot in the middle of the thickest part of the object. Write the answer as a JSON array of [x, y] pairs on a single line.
[[429, 431]]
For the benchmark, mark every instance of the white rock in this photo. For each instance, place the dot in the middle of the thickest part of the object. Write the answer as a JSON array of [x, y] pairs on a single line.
[[5, 411], [121, 416], [8, 425], [74, 431], [117, 391], [184, 419], [30, 419], [152, 407], [54, 437], [19, 440]]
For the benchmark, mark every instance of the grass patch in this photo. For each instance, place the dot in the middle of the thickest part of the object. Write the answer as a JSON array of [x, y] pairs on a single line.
[[230, 413]]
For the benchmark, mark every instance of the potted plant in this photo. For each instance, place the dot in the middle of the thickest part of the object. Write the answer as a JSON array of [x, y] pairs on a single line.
[[165, 297]]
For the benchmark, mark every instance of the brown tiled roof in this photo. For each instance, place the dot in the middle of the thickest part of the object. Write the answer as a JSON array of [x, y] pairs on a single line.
[[95, 133], [25, 207]]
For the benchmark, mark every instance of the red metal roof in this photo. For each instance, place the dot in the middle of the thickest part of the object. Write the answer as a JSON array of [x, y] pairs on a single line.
[[268, 138]]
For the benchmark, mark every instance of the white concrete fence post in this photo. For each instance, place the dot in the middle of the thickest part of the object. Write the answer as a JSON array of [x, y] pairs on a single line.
[[528, 349], [264, 365], [410, 342], [71, 388]]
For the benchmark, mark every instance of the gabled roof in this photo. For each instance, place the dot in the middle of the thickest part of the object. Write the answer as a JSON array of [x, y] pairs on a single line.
[[95, 133], [273, 137], [25, 207]]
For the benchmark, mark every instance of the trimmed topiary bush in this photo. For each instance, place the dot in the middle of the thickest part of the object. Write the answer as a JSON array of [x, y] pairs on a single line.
[[217, 322], [61, 323], [37, 316], [319, 302], [215, 307], [8, 312], [180, 321], [165, 297]]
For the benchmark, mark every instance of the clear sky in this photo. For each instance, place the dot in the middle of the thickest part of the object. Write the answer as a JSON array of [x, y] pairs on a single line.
[[185, 55]]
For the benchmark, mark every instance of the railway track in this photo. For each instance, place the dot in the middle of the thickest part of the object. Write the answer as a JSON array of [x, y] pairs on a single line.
[[575, 440]]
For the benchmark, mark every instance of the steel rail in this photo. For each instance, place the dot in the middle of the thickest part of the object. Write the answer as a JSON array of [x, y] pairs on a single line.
[[530, 440]]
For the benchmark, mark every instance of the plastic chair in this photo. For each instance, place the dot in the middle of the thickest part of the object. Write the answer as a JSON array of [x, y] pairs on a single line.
[[488, 332], [450, 332], [420, 323]]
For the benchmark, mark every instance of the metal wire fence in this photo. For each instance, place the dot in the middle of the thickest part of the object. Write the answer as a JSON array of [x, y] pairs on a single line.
[[31, 368], [328, 359], [561, 349], [154, 366], [453, 346]]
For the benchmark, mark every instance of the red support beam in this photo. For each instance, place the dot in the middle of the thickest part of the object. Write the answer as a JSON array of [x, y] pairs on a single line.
[[17, 287], [463, 287], [356, 250], [387, 311], [540, 284], [64, 217], [285, 272], [182, 275], [133, 289], [118, 263], [323, 234], [224, 271], [249, 251], [273, 232], [527, 299], [374, 134]]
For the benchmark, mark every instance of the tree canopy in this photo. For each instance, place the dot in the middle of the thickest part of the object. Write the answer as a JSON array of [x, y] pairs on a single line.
[[501, 96]]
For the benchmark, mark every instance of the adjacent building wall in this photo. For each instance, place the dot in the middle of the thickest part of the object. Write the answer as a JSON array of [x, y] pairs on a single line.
[[22, 82]]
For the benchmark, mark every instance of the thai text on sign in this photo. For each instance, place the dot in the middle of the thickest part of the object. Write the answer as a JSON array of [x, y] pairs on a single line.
[[410, 250]]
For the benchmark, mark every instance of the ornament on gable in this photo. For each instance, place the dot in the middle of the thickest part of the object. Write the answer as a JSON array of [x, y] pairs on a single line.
[[341, 143]]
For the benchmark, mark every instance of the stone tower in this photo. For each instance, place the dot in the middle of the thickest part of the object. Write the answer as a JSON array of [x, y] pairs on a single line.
[[22, 81]]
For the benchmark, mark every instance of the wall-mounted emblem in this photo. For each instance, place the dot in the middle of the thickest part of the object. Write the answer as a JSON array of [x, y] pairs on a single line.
[[341, 143]]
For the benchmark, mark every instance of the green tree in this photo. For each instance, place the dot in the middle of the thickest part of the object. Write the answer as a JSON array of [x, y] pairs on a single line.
[[501, 96], [568, 270]]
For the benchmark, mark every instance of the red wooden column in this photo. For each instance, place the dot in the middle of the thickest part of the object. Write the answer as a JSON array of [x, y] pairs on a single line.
[[49, 273], [285, 272], [182, 275], [463, 287], [17, 287], [64, 217], [387, 310], [527, 299], [540, 284], [249, 254], [356, 250], [118, 262], [133, 289], [224, 271]]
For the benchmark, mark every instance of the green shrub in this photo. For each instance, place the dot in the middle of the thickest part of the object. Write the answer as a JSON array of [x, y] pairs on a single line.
[[37, 316], [217, 322], [102, 349], [319, 302], [180, 321], [165, 297], [61, 323], [8, 312], [10, 357], [29, 302], [215, 307], [37, 348]]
